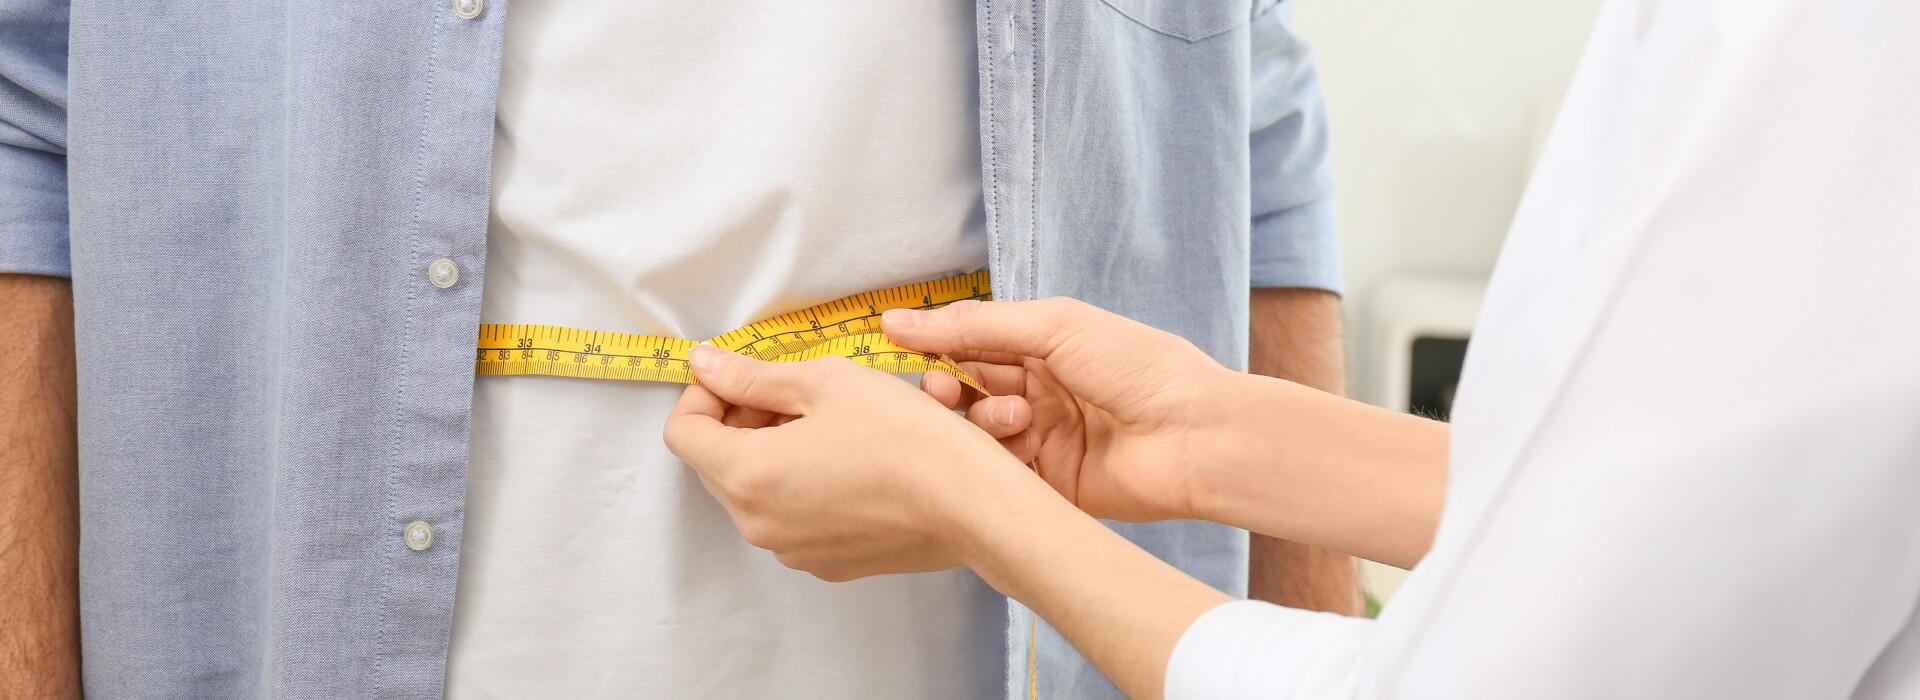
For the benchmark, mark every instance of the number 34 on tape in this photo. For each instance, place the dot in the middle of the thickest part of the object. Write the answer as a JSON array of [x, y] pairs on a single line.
[[848, 327]]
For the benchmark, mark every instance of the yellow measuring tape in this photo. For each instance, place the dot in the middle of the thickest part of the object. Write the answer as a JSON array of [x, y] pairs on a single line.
[[848, 327]]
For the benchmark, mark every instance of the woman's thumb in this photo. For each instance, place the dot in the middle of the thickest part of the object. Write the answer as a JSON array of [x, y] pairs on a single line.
[[780, 387], [1030, 328]]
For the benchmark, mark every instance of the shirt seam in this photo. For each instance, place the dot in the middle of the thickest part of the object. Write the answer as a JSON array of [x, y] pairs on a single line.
[[1033, 159], [990, 147], [406, 341], [993, 143]]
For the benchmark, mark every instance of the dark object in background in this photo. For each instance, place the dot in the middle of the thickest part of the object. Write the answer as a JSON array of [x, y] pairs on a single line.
[[1434, 376]]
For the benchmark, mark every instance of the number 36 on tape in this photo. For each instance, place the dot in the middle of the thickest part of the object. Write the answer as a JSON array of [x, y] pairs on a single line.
[[848, 327]]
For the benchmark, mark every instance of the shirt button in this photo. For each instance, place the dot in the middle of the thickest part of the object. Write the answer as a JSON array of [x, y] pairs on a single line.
[[468, 9], [419, 535], [443, 273]]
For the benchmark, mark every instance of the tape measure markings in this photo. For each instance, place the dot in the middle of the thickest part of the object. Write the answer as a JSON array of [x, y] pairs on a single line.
[[848, 327], [869, 323]]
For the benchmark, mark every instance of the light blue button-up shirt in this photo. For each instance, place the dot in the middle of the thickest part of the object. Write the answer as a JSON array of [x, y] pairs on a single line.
[[248, 197]]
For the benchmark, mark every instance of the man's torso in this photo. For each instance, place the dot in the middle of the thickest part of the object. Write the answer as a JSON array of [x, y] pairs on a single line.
[[674, 169]]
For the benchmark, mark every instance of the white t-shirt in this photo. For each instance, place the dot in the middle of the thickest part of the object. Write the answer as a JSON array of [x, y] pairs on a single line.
[[682, 168], [1686, 451]]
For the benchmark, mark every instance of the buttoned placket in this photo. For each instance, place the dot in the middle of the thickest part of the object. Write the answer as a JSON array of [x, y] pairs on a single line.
[[459, 68], [1008, 44]]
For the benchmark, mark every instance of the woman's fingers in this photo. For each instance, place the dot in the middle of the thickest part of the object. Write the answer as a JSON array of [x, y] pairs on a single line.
[[944, 388], [697, 433], [1024, 446], [1030, 328], [989, 357], [737, 394], [1000, 380], [1001, 416], [1007, 417], [744, 417], [779, 387]]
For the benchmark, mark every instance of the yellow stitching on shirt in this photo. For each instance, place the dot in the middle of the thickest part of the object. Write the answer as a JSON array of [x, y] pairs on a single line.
[[1033, 634]]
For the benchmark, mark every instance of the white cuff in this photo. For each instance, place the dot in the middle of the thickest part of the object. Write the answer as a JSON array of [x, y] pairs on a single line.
[[1250, 649]]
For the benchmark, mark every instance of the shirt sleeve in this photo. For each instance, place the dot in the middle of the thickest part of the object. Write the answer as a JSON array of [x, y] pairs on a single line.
[[33, 137], [1296, 240], [1248, 649]]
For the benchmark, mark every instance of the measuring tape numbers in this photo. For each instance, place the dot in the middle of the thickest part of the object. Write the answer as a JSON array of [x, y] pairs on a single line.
[[847, 327]]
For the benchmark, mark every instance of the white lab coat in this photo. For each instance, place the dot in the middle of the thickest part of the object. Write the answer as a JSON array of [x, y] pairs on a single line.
[[1686, 449]]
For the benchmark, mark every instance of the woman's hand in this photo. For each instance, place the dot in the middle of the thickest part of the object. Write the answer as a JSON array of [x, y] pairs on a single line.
[[1112, 413], [840, 470], [846, 472]]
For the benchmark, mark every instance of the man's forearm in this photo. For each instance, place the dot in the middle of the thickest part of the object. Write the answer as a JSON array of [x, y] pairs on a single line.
[[39, 511], [1296, 335]]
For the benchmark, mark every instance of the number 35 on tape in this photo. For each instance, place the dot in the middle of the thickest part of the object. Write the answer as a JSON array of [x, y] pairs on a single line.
[[848, 327]]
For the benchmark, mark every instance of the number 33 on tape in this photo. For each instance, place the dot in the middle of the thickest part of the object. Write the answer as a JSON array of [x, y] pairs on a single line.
[[848, 327]]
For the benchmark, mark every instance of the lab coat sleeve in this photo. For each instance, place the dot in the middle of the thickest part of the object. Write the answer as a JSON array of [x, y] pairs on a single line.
[[1249, 649], [1296, 241], [33, 137]]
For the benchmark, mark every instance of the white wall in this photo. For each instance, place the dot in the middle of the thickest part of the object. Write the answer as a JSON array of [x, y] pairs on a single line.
[[1437, 109]]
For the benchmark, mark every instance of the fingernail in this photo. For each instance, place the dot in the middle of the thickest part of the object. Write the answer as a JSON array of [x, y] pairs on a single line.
[[703, 357], [903, 318], [1003, 413]]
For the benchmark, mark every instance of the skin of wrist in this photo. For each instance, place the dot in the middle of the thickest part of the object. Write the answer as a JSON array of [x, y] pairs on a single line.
[[1224, 443], [994, 524], [1299, 464], [974, 513]]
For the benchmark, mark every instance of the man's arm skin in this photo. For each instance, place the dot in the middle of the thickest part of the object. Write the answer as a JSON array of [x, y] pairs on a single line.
[[1296, 335], [39, 495]]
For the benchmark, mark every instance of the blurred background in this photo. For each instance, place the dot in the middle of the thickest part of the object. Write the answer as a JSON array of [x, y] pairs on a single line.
[[1438, 110]]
